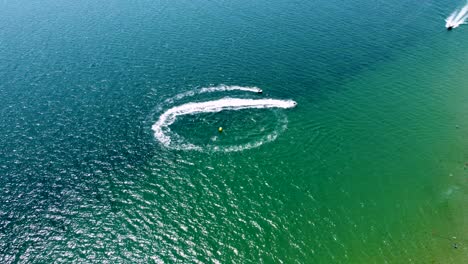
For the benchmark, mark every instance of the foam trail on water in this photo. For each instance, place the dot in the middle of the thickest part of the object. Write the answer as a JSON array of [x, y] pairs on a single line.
[[163, 133], [219, 88], [457, 18], [229, 88]]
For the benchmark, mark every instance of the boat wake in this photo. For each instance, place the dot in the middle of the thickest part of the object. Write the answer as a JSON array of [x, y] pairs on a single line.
[[172, 140], [220, 88], [457, 18]]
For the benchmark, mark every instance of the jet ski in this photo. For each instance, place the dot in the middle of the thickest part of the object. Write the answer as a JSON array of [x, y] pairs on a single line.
[[449, 28]]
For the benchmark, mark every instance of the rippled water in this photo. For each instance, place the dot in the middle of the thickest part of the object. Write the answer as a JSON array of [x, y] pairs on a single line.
[[370, 167]]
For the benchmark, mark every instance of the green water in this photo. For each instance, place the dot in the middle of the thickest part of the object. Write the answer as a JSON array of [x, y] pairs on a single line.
[[370, 167]]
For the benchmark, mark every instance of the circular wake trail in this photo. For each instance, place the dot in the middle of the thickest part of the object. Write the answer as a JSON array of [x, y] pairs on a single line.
[[161, 127]]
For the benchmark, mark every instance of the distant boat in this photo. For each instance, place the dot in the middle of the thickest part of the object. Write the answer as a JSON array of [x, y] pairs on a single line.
[[449, 27]]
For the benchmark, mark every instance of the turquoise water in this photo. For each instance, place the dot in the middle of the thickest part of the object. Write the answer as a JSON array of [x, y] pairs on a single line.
[[369, 167]]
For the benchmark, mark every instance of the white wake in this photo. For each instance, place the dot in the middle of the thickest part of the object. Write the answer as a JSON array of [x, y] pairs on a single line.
[[164, 134], [219, 88], [457, 18]]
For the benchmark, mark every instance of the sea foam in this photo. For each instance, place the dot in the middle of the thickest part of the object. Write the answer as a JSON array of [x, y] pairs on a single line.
[[163, 132], [458, 17]]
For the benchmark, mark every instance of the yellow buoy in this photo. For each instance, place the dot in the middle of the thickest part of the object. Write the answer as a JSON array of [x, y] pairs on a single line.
[[220, 129]]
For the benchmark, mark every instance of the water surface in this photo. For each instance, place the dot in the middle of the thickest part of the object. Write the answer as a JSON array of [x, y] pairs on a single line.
[[369, 168]]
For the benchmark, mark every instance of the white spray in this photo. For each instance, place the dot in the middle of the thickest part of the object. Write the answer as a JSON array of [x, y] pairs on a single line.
[[161, 127], [220, 88], [457, 18]]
